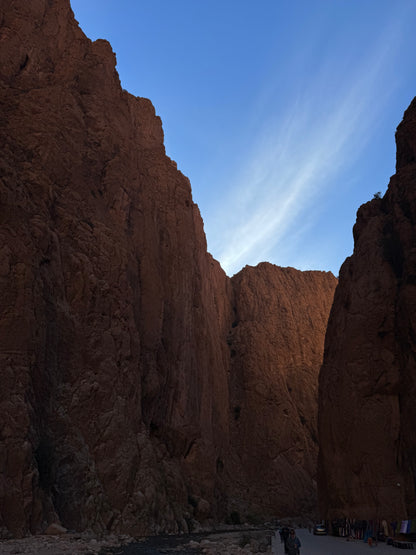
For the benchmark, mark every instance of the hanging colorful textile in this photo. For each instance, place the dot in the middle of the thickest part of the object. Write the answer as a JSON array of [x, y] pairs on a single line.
[[403, 527]]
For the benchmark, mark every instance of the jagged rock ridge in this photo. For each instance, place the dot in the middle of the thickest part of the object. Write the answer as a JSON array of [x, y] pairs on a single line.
[[118, 380], [367, 386]]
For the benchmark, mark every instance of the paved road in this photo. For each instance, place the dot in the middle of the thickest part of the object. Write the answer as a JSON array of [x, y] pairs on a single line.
[[329, 545]]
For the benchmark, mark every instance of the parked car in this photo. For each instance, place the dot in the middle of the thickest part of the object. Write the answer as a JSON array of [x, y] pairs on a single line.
[[320, 530]]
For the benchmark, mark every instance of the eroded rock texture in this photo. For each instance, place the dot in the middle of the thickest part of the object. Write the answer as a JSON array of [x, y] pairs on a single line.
[[117, 389], [276, 349], [367, 406], [108, 295]]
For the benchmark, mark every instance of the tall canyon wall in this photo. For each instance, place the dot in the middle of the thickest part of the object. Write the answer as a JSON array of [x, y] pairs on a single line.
[[130, 399], [280, 318], [367, 409]]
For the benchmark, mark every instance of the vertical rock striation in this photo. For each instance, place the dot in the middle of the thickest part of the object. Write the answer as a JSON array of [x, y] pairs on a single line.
[[110, 318], [367, 461], [118, 382], [276, 345]]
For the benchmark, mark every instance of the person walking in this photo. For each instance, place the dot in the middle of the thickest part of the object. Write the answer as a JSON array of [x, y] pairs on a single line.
[[293, 544], [284, 534]]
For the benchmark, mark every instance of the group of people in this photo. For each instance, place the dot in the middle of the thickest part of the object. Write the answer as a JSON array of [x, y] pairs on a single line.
[[290, 540]]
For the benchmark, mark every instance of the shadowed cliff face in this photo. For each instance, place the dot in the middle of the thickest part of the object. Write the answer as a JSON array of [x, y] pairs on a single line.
[[118, 385], [367, 463], [107, 345]]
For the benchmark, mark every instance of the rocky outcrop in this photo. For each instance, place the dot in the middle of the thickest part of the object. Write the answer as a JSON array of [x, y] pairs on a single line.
[[118, 396], [367, 462]]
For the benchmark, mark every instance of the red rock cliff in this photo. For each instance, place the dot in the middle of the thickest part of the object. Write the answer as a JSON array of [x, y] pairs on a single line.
[[276, 345], [110, 318], [117, 399], [367, 390]]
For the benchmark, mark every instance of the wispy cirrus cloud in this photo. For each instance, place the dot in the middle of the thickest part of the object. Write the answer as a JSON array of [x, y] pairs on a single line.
[[297, 157]]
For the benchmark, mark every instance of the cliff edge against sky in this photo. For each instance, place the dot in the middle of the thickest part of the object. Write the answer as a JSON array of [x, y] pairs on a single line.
[[136, 376], [367, 385]]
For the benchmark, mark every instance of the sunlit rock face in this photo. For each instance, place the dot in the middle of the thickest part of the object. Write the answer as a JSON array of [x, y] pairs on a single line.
[[367, 408], [276, 345], [118, 380]]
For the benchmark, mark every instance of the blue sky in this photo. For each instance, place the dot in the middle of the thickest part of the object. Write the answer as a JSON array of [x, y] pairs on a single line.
[[282, 113]]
